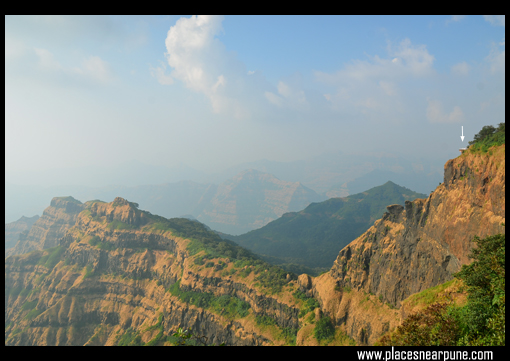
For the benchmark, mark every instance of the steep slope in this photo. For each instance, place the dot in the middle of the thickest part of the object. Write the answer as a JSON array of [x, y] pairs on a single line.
[[14, 229], [314, 236], [50, 227], [121, 275], [250, 200], [421, 245]]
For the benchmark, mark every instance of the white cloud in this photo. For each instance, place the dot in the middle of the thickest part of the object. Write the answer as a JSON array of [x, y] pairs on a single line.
[[435, 113], [496, 20], [496, 58], [372, 87], [461, 68], [199, 60]]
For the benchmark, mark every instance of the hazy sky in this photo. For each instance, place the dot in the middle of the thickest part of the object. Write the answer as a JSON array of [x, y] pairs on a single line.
[[212, 92]]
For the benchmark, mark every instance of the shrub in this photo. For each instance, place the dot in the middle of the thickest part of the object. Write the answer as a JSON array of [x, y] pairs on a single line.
[[324, 329], [481, 322]]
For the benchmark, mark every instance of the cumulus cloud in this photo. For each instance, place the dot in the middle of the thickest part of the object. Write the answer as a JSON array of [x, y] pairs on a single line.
[[200, 61], [496, 20], [435, 113]]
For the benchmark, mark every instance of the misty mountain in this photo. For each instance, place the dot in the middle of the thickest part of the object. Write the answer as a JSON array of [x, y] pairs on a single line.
[[247, 201], [314, 236], [338, 175], [250, 200]]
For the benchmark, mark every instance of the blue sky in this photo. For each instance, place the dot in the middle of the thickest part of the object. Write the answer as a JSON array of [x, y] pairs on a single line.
[[212, 92]]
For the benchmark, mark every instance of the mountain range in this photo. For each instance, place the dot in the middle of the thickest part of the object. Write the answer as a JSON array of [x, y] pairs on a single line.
[[123, 276], [329, 175]]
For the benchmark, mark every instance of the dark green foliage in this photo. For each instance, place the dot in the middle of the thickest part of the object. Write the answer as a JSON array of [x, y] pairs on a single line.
[[314, 236], [485, 281], [324, 329], [481, 322], [264, 320], [488, 137], [290, 335]]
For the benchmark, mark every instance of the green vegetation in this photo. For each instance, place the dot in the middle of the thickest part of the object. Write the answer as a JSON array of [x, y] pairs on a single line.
[[310, 303], [88, 271], [52, 257], [324, 330], [487, 138], [213, 246], [116, 224], [228, 306], [480, 322], [95, 241], [264, 320], [130, 338]]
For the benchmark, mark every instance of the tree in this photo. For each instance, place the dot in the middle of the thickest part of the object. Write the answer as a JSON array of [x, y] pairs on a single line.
[[485, 281]]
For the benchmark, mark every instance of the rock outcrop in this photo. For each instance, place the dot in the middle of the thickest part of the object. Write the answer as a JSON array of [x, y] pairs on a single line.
[[50, 227], [421, 245]]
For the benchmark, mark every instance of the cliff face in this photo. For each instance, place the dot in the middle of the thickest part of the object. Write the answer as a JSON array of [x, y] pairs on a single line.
[[421, 245], [50, 227], [111, 277], [14, 229]]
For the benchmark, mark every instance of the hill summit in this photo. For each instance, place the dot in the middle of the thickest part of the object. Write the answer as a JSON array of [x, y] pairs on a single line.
[[314, 236]]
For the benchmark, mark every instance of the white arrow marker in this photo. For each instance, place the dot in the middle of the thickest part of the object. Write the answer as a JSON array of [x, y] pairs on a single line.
[[462, 136]]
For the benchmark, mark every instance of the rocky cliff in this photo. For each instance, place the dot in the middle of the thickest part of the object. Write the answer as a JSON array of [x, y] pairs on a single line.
[[421, 245], [50, 227], [121, 273], [14, 229]]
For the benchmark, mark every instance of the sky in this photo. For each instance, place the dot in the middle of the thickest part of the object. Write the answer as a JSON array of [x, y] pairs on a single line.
[[211, 92]]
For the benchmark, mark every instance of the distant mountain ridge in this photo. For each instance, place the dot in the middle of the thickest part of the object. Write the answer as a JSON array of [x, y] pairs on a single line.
[[14, 229], [250, 200], [314, 236]]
